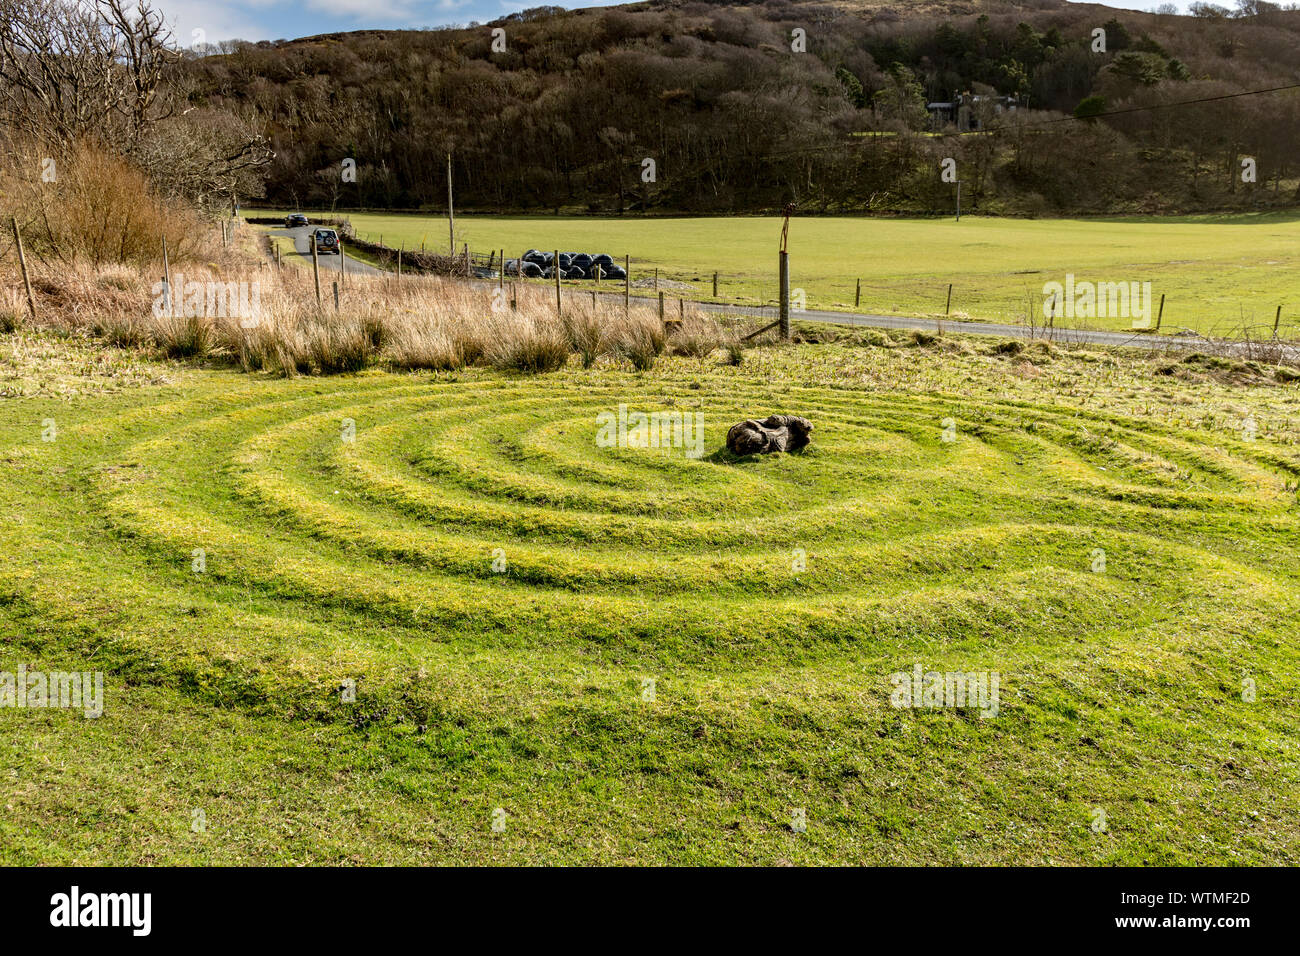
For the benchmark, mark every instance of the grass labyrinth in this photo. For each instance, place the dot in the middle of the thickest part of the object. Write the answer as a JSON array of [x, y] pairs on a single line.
[[348, 530], [1219, 273]]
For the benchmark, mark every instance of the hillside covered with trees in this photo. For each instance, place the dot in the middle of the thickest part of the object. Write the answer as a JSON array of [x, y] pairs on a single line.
[[736, 117]]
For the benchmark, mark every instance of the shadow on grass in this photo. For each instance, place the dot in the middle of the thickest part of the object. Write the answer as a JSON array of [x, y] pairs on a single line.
[[724, 456]]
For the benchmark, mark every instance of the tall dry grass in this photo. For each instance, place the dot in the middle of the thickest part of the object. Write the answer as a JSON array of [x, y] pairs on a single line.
[[417, 323]]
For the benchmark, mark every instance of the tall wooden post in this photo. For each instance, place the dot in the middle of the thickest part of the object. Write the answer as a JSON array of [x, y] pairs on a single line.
[[661, 307], [451, 214], [1277, 319], [715, 285], [555, 268], [1161, 314], [22, 264], [167, 270], [627, 284], [315, 269], [167, 275], [783, 276], [948, 305], [400, 249], [336, 296], [857, 294], [783, 270]]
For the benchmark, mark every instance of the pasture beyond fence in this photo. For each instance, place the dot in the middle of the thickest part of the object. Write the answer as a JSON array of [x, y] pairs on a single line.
[[899, 267], [951, 299]]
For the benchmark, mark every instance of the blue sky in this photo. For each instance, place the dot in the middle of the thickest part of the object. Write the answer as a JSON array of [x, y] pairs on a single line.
[[274, 19]]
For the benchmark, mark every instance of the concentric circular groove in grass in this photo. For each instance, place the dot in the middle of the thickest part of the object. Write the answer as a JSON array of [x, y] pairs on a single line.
[[880, 530]]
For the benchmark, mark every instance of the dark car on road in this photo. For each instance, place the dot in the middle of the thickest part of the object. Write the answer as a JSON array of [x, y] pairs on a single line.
[[327, 241], [294, 220]]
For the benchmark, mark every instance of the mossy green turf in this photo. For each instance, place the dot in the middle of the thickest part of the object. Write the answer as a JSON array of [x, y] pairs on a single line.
[[1218, 273], [372, 559]]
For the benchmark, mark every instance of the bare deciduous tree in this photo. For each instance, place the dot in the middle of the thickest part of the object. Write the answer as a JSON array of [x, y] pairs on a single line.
[[107, 71]]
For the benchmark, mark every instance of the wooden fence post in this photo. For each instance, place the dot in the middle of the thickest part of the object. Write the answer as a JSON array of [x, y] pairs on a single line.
[[948, 305], [661, 307], [22, 264], [1277, 319], [784, 307], [715, 285], [627, 284], [336, 296], [555, 268], [400, 249], [315, 269], [1161, 314], [167, 269], [857, 294]]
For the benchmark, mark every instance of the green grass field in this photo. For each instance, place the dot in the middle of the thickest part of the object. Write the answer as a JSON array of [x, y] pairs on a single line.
[[1218, 273], [232, 548]]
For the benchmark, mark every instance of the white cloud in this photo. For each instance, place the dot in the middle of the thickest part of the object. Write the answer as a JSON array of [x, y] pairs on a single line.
[[388, 10], [218, 21]]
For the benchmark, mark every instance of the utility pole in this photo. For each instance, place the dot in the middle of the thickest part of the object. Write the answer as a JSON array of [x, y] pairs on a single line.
[[451, 214]]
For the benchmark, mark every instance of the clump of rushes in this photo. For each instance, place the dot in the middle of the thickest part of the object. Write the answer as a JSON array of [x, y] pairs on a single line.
[[583, 328], [697, 336], [184, 336], [337, 347], [640, 341], [529, 344]]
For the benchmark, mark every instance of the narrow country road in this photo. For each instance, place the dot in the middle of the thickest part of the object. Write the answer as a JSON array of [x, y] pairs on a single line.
[[301, 237]]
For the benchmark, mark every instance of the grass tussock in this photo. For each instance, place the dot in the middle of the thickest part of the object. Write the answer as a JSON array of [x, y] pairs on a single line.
[[586, 334], [639, 341], [528, 343], [698, 336]]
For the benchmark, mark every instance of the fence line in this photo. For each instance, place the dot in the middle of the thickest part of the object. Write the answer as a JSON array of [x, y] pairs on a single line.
[[949, 297]]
